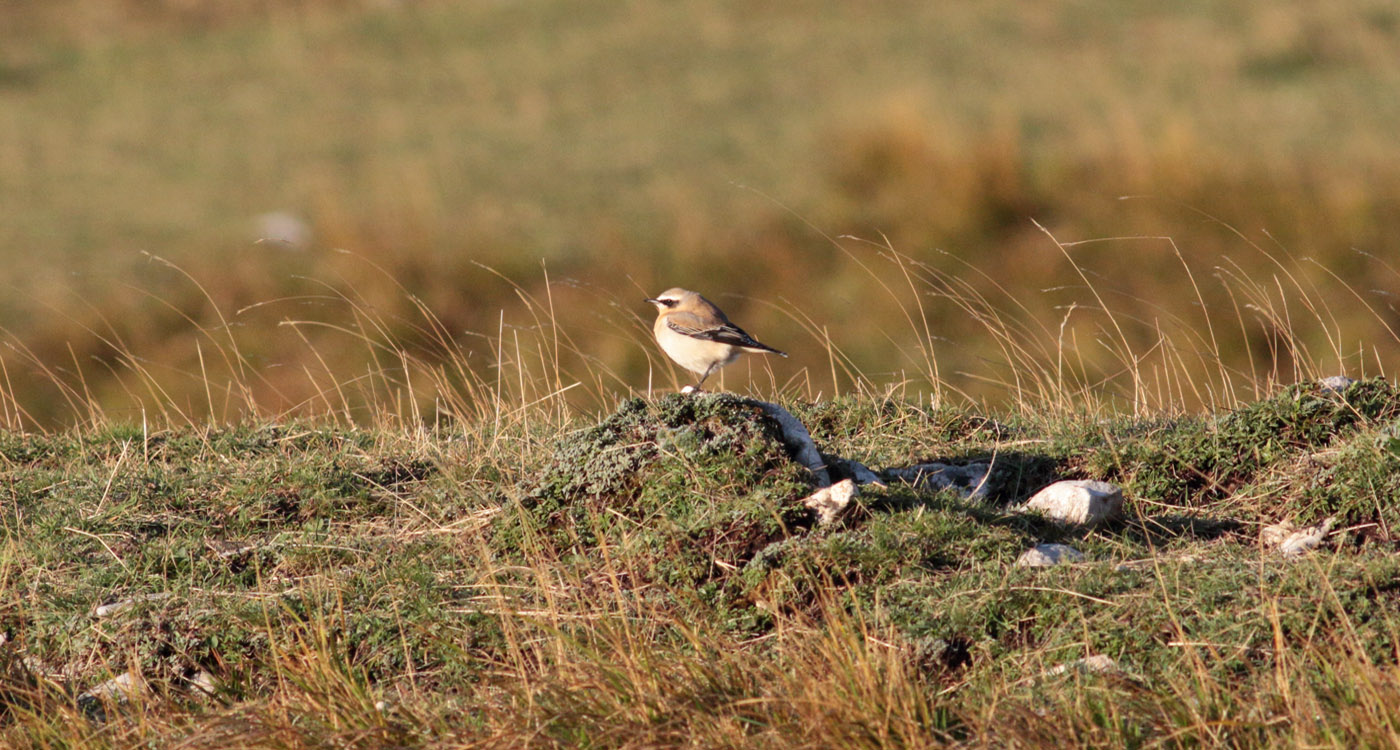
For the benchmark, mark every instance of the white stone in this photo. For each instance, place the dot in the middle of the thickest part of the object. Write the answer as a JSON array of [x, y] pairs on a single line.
[[122, 605], [121, 687], [830, 503], [232, 550], [1096, 664], [1292, 541], [1335, 383], [204, 683], [1274, 534], [1045, 555], [1077, 501]]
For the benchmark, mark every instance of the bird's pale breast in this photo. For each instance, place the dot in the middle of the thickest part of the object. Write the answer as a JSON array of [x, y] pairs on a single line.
[[693, 354]]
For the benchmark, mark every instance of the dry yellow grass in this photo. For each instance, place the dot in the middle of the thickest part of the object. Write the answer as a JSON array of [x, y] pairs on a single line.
[[709, 144]]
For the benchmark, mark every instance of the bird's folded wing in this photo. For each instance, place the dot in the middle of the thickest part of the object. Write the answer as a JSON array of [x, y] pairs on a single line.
[[728, 333]]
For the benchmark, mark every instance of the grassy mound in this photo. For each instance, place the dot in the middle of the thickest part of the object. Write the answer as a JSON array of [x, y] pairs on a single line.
[[652, 578], [682, 491]]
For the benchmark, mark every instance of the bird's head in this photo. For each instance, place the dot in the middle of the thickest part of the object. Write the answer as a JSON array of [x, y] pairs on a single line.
[[671, 298]]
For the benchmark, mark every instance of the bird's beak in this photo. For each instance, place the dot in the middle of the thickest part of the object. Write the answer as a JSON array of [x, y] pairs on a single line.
[[653, 301]]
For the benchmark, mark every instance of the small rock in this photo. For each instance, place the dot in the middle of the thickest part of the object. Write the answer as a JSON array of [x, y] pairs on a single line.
[[1096, 664], [203, 682], [118, 689], [1077, 501], [122, 605], [1304, 539], [1273, 535], [1291, 540], [830, 503], [1335, 383], [1045, 555], [969, 480]]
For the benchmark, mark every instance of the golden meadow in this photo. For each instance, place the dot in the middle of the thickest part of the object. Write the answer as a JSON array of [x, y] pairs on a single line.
[[1117, 204]]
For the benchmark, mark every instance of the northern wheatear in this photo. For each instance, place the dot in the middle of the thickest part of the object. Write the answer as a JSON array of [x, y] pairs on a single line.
[[697, 335]]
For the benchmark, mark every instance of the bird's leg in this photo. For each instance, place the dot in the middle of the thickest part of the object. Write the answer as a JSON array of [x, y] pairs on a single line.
[[701, 381]]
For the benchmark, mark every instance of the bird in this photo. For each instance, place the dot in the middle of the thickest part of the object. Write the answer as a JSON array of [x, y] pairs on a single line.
[[697, 334]]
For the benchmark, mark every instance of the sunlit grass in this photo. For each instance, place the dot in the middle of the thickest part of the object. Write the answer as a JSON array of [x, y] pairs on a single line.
[[309, 474], [431, 137]]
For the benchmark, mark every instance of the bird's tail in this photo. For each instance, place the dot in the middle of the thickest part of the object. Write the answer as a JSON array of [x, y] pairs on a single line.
[[761, 348]]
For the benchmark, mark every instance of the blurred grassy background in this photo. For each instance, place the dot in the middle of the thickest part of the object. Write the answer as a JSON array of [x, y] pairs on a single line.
[[633, 146]]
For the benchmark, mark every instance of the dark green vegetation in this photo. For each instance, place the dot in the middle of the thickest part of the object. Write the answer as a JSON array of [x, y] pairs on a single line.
[[653, 579]]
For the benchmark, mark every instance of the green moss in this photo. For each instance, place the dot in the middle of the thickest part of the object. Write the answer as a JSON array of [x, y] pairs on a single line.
[[1195, 462]]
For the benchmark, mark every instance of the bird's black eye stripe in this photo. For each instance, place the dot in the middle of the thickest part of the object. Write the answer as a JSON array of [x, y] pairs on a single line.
[[669, 302]]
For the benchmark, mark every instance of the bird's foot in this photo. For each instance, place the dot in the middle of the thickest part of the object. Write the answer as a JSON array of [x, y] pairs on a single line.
[[692, 389]]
